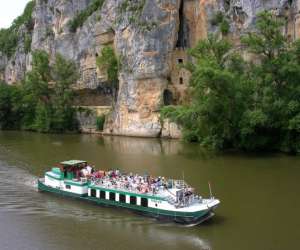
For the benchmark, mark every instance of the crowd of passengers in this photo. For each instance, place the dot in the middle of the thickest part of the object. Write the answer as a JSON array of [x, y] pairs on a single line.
[[132, 182]]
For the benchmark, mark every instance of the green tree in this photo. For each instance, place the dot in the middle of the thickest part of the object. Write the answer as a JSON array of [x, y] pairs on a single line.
[[219, 86], [10, 107], [252, 105], [35, 88], [42, 121], [272, 120], [49, 109], [64, 74]]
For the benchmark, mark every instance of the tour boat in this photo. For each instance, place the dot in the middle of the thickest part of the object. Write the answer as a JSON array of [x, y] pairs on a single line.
[[167, 199]]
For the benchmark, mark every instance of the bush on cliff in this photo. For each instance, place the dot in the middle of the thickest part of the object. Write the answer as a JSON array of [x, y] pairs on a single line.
[[245, 105], [9, 37], [82, 16], [109, 63], [100, 120]]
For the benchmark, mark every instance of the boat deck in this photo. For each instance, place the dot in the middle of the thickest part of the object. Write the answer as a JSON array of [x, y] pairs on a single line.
[[159, 193]]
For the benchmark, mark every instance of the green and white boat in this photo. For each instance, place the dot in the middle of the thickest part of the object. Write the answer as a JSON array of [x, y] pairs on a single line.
[[158, 197]]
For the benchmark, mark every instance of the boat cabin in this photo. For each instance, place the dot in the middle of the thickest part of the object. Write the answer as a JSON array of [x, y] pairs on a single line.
[[69, 176], [72, 169]]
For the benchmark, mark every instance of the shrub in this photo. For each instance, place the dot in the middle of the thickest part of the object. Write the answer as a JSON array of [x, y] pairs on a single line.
[[82, 16], [100, 120]]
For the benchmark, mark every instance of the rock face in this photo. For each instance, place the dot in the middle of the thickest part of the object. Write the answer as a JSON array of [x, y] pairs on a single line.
[[145, 68], [52, 34], [171, 130], [150, 38]]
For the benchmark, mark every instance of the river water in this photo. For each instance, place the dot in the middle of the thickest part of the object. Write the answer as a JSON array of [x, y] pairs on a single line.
[[259, 194]]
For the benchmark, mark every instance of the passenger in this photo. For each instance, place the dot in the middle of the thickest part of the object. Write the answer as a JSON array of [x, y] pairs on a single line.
[[89, 169], [84, 172]]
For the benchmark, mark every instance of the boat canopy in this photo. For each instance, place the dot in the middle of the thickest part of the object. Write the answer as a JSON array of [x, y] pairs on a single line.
[[72, 162]]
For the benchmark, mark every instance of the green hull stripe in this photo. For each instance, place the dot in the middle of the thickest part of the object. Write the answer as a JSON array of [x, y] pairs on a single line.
[[153, 211]]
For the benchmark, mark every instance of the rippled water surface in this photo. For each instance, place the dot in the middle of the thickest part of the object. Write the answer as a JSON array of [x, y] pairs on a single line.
[[259, 193]]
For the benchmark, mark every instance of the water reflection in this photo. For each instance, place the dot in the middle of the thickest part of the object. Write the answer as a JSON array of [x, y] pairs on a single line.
[[141, 146]]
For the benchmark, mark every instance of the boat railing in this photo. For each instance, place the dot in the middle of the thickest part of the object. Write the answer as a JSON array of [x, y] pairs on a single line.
[[120, 186], [83, 180], [178, 183]]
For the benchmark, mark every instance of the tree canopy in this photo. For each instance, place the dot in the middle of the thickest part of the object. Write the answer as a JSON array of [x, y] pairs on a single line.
[[35, 104], [250, 105]]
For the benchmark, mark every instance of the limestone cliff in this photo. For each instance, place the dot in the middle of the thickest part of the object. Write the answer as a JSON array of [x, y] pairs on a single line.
[[150, 38]]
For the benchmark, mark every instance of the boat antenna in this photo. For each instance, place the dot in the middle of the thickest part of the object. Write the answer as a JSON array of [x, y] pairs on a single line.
[[210, 192]]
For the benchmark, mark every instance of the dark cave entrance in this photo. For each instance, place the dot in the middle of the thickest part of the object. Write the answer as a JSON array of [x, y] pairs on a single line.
[[168, 97]]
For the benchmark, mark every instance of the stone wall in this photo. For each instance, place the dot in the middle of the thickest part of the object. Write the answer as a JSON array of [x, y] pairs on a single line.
[[180, 76]]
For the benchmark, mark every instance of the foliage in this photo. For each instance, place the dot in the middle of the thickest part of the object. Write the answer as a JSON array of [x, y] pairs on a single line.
[[10, 106], [82, 16], [27, 43], [35, 105], [135, 8], [220, 20], [9, 37], [240, 104], [64, 74], [109, 63], [100, 120], [272, 119]]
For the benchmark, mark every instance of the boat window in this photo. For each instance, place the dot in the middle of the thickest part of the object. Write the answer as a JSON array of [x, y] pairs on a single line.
[[144, 202], [68, 186], [93, 192], [133, 200], [112, 196], [102, 194], [122, 198]]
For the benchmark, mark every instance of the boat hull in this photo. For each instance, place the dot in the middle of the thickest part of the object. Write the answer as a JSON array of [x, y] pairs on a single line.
[[163, 215]]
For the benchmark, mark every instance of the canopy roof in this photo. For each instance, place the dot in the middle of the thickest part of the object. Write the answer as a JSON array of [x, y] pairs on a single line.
[[72, 162]]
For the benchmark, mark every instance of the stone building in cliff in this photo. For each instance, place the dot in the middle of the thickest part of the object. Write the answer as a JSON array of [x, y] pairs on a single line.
[[177, 90]]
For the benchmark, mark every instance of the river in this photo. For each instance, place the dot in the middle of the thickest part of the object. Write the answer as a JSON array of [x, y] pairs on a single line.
[[259, 194]]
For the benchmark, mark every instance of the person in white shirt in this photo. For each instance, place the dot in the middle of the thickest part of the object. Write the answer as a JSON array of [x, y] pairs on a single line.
[[89, 169]]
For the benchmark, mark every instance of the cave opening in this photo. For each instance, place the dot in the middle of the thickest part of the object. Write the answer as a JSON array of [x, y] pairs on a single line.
[[183, 33], [168, 97]]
